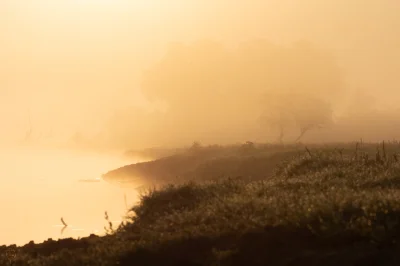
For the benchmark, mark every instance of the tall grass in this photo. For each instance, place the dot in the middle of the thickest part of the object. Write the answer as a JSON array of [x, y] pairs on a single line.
[[325, 205]]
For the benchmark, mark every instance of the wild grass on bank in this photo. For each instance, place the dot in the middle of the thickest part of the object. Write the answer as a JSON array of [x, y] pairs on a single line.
[[323, 207]]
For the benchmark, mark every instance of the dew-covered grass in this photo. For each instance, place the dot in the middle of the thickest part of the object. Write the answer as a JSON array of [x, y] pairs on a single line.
[[322, 206]]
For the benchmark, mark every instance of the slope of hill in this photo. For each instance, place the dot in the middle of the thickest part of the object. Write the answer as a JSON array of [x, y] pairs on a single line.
[[321, 207]]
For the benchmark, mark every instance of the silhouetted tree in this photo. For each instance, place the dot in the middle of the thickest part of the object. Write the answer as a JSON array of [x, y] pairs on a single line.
[[209, 88], [311, 113], [296, 110], [278, 119]]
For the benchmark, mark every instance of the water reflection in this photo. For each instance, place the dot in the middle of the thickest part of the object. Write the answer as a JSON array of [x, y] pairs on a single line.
[[38, 188]]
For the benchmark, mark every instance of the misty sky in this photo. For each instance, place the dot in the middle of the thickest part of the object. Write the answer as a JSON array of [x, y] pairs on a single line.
[[69, 64]]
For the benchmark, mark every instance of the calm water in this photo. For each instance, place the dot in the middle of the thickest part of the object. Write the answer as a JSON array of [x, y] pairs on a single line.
[[39, 187]]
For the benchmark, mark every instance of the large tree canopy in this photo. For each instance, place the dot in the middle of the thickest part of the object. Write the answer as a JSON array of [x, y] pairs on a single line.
[[210, 89]]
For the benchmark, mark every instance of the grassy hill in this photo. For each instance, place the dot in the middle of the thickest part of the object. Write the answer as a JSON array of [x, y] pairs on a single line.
[[255, 205], [204, 163]]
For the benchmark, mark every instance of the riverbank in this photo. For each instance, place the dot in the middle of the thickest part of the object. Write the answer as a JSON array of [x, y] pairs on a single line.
[[317, 206]]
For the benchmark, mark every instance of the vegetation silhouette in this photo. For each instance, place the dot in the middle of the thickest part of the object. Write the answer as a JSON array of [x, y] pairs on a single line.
[[207, 90], [319, 201]]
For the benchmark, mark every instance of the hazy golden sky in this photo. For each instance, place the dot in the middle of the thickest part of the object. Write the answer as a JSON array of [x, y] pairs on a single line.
[[71, 63]]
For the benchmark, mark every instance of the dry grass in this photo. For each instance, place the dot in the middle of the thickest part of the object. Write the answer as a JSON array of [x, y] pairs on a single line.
[[327, 205]]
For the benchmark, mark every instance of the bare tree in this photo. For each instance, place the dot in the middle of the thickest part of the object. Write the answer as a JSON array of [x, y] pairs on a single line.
[[304, 112], [311, 113], [277, 119]]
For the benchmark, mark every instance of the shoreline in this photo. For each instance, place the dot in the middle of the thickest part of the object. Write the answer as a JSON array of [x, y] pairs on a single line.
[[313, 208]]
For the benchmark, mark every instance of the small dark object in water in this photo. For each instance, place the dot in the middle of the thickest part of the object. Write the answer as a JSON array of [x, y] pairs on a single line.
[[64, 223]]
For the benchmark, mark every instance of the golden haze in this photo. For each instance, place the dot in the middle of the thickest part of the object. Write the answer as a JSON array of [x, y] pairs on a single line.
[[73, 69]]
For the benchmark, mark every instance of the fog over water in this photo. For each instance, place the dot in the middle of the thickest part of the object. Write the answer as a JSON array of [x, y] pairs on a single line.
[[73, 70], [39, 187], [82, 81]]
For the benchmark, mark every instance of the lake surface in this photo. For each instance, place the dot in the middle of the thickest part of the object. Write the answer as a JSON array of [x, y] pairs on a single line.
[[38, 187]]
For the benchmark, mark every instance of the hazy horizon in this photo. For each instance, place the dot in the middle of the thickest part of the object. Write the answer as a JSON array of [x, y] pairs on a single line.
[[81, 81], [72, 68]]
